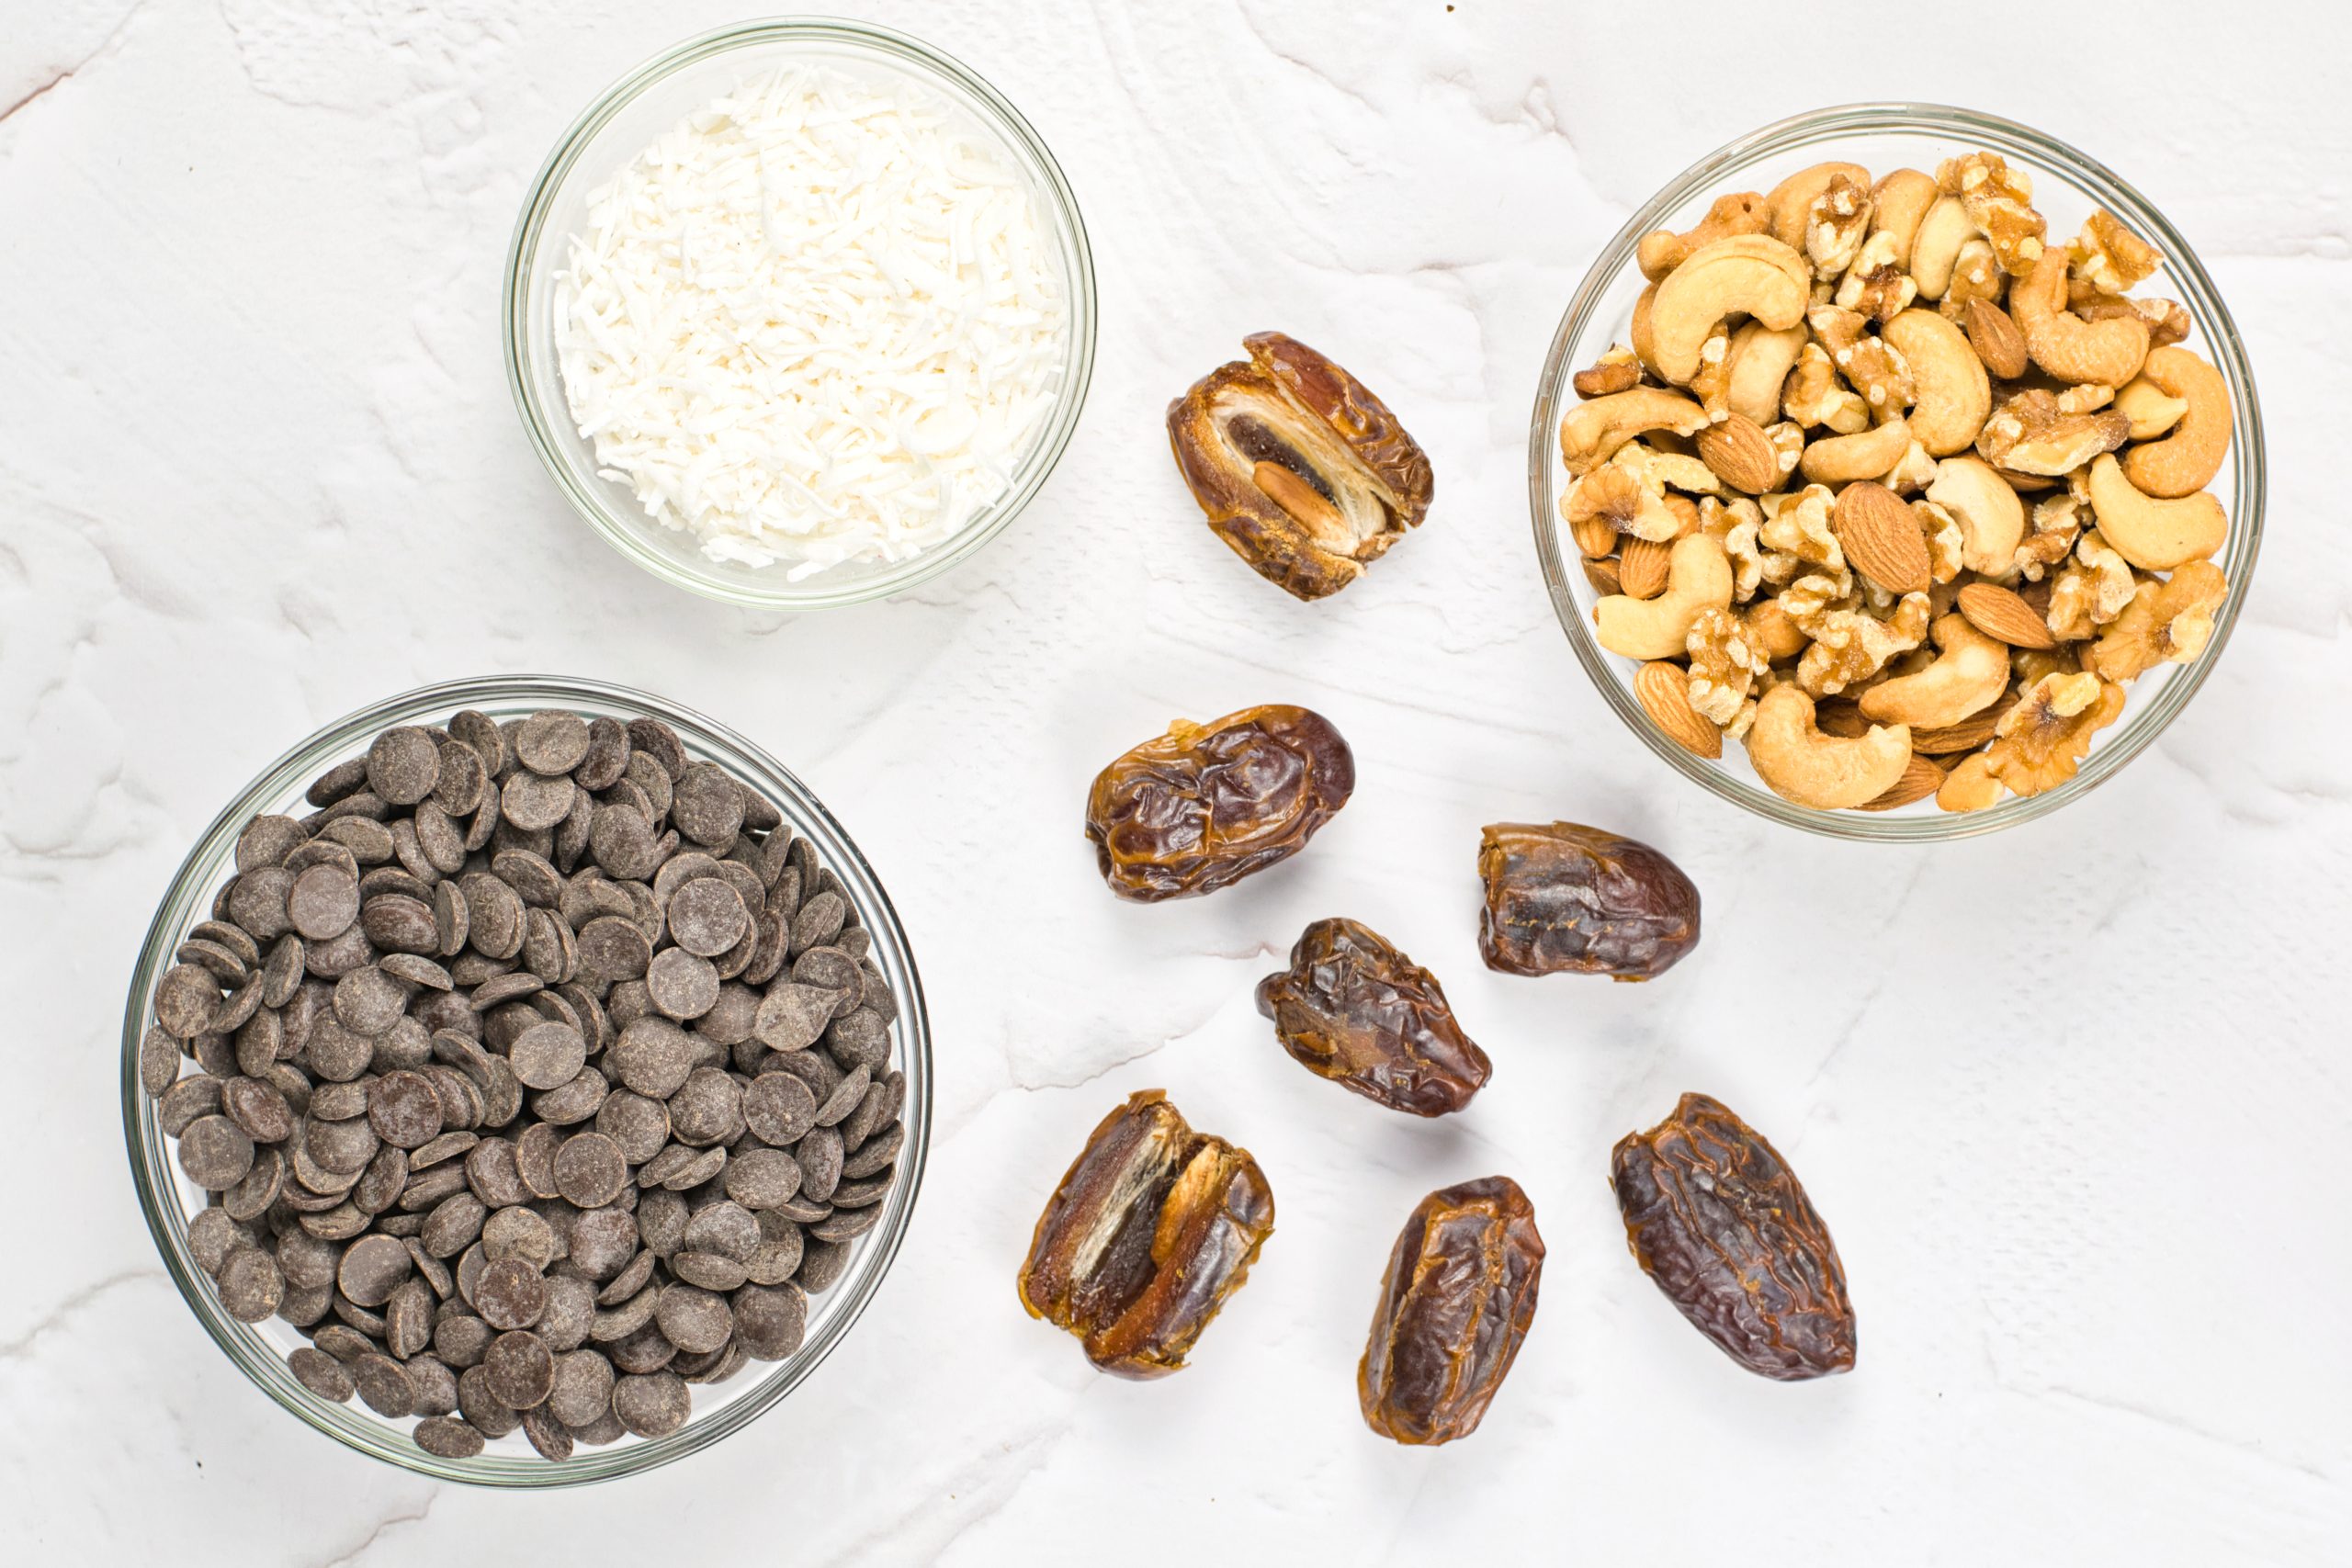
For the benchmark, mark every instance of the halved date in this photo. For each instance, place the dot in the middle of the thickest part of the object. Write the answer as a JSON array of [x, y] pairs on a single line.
[[1562, 898], [1300, 469], [1206, 804], [1720, 1224], [1152, 1228], [1352, 1009], [1458, 1299]]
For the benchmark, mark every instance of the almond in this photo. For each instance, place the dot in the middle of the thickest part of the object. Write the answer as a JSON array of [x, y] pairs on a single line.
[[1602, 575], [1642, 567], [1739, 453], [2002, 615], [1997, 340], [1664, 692], [1881, 536], [1920, 779], [1966, 735]]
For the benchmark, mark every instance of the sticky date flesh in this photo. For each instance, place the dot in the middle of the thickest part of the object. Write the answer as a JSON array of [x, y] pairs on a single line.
[[1722, 1225], [1152, 1229], [1352, 1009], [1455, 1306], [1562, 898], [1301, 470], [1206, 804]]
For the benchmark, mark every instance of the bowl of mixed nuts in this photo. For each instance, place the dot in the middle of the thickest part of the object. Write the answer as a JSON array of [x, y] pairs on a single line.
[[1896, 472], [527, 1081]]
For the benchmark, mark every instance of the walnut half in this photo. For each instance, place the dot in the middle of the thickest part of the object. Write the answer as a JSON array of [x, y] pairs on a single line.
[[1300, 469]]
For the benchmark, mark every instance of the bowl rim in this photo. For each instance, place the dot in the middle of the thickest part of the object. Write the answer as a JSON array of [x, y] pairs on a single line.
[[627, 534], [2094, 181], [153, 1176]]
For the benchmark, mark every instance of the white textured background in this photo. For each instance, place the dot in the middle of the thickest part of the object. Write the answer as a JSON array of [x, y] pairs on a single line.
[[2075, 1101]]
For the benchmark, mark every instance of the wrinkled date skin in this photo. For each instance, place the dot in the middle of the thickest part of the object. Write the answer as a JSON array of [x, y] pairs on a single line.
[[1352, 1009], [1563, 899], [1457, 1300], [1720, 1224], [1206, 804], [1152, 1228], [1304, 473]]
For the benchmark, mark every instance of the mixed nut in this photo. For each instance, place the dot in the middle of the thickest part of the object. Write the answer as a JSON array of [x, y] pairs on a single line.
[[1894, 489]]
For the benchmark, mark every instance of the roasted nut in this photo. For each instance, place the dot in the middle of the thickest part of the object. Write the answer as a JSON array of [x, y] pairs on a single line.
[[1664, 692], [2068, 347], [1724, 666], [2185, 462], [1152, 1229], [2040, 743], [2155, 535], [1736, 212], [1592, 430], [1756, 366], [1826, 772], [1999, 201], [2109, 257], [2089, 591], [1970, 675], [1950, 394], [1300, 469], [1991, 517], [1869, 455], [1206, 804], [1723, 1228], [2034, 432], [1644, 568], [1698, 579], [1561, 900], [1936, 245], [2166, 623], [1456, 1305], [1615, 372], [1814, 396], [1882, 538], [1740, 454], [1745, 274], [1899, 202], [2001, 614], [1788, 207], [1352, 1009], [1614, 496]]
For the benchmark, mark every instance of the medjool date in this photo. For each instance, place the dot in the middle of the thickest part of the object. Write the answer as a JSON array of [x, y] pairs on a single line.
[[1562, 898], [1720, 1224], [1152, 1228], [1304, 473], [1206, 804], [1354, 1009], [1458, 1299]]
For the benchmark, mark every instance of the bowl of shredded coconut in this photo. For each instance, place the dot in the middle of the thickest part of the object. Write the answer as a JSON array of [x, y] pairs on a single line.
[[800, 314]]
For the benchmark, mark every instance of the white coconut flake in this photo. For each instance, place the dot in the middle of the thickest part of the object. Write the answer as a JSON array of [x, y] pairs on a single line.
[[815, 322]]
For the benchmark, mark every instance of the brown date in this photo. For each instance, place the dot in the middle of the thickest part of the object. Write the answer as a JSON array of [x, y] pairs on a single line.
[[1456, 1301], [1206, 804], [1354, 1009], [1304, 473], [1722, 1225], [1566, 899], [1152, 1228]]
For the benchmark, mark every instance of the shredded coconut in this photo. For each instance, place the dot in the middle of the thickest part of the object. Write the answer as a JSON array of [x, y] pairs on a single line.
[[815, 321]]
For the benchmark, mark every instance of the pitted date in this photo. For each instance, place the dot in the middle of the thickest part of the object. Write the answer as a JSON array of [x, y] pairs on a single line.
[[1206, 804], [1352, 1009], [1152, 1228], [1722, 1225], [1567, 899], [1304, 473], [1457, 1300]]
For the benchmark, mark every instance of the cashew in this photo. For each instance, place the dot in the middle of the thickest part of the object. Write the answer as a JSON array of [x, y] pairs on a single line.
[[1838, 459], [1758, 362], [1935, 245], [1592, 430], [1740, 212], [1950, 392], [2153, 533], [1803, 765], [1970, 786], [1615, 496], [1789, 205], [1970, 675], [1900, 202], [1991, 517], [2150, 409], [1746, 275], [2186, 460], [2070, 348], [1774, 634], [1698, 579], [1644, 349]]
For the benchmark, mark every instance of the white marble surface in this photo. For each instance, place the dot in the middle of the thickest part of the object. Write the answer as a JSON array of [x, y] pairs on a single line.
[[2074, 1100]]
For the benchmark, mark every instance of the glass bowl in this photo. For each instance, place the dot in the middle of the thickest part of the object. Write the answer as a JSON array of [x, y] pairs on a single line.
[[1882, 137], [623, 120], [169, 1200]]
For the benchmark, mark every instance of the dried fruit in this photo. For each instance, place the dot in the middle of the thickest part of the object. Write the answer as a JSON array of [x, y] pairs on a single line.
[[1722, 1225], [1153, 1228], [1455, 1306], [1562, 898], [1352, 1009], [1206, 804], [1301, 470]]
